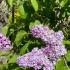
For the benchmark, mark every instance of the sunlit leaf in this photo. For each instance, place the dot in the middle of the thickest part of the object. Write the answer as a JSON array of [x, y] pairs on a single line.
[[5, 29], [34, 23], [13, 58], [24, 48], [22, 12], [68, 56], [19, 37], [34, 4], [63, 2], [66, 42], [60, 65], [43, 0], [10, 2]]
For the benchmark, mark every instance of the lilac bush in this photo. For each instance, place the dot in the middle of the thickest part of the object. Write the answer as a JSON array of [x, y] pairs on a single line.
[[45, 57], [20, 18]]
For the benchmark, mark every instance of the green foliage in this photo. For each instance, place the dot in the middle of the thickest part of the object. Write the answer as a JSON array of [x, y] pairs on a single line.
[[60, 65], [22, 12], [68, 56], [10, 2], [33, 23], [13, 59], [66, 42], [63, 2], [34, 5], [24, 48], [5, 30], [19, 37]]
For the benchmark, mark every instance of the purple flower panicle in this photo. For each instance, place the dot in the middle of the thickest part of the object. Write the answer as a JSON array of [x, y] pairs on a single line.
[[36, 59], [45, 57], [54, 47]]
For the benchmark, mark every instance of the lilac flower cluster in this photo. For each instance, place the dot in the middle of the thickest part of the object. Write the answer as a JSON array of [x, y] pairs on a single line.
[[44, 57], [4, 43], [54, 47], [36, 59], [47, 35]]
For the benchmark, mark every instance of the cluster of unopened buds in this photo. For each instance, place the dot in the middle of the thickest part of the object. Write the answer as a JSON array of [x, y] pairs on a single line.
[[46, 57]]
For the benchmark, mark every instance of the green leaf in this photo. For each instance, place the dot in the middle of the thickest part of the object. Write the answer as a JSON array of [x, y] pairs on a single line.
[[68, 55], [60, 65], [19, 37], [5, 29], [18, 2], [68, 10], [13, 58], [66, 42], [10, 2], [34, 5], [24, 48], [68, 13], [56, 1], [34, 23], [63, 2], [22, 12], [43, 0], [11, 31]]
